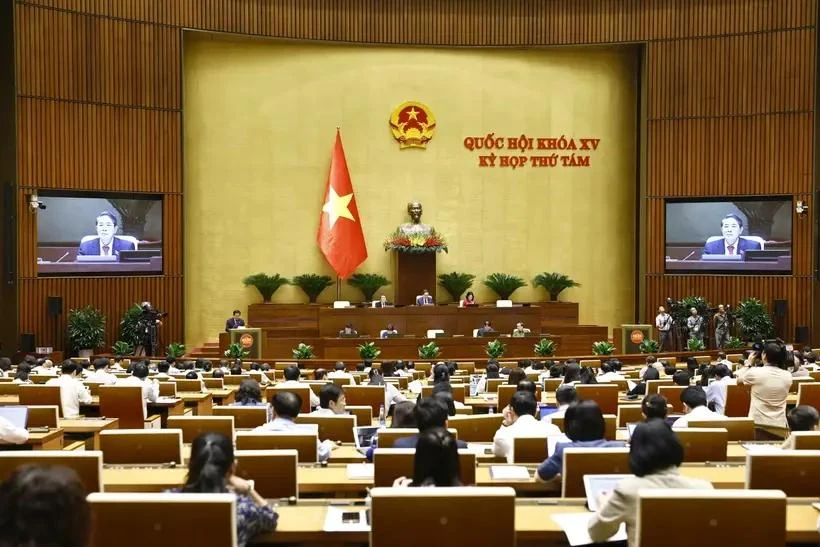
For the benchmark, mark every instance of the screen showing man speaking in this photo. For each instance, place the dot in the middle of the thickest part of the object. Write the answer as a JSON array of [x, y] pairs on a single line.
[[742, 236], [99, 234]]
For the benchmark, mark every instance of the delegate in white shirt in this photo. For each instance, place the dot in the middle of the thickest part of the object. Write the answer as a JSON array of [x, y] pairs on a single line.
[[72, 394], [102, 377], [697, 413], [524, 426], [716, 393], [314, 399], [9, 434]]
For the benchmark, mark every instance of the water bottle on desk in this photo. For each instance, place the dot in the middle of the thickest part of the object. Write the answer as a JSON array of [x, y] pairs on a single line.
[[382, 417]]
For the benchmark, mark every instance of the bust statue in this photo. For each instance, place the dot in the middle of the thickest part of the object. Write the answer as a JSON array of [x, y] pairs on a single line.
[[415, 228]]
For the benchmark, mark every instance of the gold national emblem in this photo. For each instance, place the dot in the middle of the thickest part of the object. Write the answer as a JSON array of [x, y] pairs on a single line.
[[412, 125], [246, 340], [636, 336]]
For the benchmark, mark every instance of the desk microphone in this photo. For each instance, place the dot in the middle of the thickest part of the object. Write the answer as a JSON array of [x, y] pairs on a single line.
[[62, 257], [687, 256]]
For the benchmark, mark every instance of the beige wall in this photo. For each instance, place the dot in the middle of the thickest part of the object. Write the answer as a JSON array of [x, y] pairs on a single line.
[[260, 118]]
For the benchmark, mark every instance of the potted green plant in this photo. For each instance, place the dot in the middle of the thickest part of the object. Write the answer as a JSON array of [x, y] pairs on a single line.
[[122, 349], [603, 348], [235, 351], [545, 348], [175, 350], [312, 285], [554, 283], [456, 283], [681, 309], [734, 343], [368, 283], [369, 351], [754, 320], [130, 331], [504, 284], [649, 346], [303, 351], [694, 344], [265, 284], [495, 349], [429, 351], [86, 330]]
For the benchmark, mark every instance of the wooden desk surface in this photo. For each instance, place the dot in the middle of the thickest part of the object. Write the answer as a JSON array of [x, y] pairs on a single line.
[[343, 454], [88, 425], [333, 479], [52, 440], [304, 522]]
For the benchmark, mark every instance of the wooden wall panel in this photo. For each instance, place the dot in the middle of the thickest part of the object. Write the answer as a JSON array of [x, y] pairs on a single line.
[[112, 295], [98, 147], [730, 95], [731, 289]]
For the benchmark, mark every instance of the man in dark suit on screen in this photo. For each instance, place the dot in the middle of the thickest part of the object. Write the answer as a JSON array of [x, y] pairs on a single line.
[[106, 243], [731, 244]]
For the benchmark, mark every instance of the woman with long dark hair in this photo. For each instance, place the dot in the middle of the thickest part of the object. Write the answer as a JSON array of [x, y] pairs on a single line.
[[436, 461], [211, 471]]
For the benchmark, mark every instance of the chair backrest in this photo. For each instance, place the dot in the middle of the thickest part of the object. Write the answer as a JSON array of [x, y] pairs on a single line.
[[364, 414], [235, 379], [466, 366], [740, 429], [672, 394], [529, 449], [454, 516], [703, 359], [189, 385], [334, 428], [40, 379], [372, 396], [423, 367], [610, 423], [302, 391], [124, 403], [458, 392], [653, 385], [168, 389], [40, 395], [505, 393], [477, 428], [803, 440], [192, 426], [273, 471], [244, 416], [160, 519], [9, 388], [304, 443], [130, 446], [389, 436], [214, 383], [392, 463], [493, 383], [606, 395], [43, 416], [590, 461], [787, 470], [594, 363], [672, 361], [315, 385], [800, 380], [703, 445], [808, 393], [722, 516], [738, 399], [551, 384], [343, 381], [86, 463]]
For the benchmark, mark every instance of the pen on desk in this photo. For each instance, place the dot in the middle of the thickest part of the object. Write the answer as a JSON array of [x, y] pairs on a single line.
[[62, 257]]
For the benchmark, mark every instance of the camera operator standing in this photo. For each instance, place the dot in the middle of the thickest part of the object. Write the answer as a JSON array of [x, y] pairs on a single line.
[[721, 324], [149, 321]]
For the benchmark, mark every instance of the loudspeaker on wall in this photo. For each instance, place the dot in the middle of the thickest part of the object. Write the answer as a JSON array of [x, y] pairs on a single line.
[[781, 307], [27, 343], [54, 305]]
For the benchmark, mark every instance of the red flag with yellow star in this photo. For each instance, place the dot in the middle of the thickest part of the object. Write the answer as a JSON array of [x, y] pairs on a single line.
[[340, 229]]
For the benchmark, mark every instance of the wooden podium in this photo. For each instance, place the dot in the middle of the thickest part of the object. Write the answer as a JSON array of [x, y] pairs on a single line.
[[414, 272], [250, 339], [628, 338]]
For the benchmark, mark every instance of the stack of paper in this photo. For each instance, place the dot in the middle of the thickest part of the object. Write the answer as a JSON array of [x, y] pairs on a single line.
[[509, 473], [360, 471], [576, 527]]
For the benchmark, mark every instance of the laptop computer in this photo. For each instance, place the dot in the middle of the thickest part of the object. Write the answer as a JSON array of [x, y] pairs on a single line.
[[363, 435], [546, 411], [17, 415], [595, 485]]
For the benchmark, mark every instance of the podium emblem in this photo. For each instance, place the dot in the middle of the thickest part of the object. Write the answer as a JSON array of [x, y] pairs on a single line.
[[412, 124], [636, 336], [246, 340]]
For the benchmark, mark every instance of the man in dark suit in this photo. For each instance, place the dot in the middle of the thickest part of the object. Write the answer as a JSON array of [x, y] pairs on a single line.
[[235, 322], [382, 303], [424, 299], [732, 244], [106, 243], [429, 413]]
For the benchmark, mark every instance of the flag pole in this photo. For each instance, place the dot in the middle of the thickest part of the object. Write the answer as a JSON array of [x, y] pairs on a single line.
[[338, 289]]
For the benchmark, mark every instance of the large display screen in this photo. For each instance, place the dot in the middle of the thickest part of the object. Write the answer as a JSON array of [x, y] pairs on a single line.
[[729, 236], [96, 234]]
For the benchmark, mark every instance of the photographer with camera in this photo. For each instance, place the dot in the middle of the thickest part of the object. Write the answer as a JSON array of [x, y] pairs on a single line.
[[150, 319], [770, 386]]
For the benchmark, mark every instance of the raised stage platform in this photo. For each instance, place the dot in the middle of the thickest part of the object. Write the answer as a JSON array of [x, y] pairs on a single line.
[[284, 326]]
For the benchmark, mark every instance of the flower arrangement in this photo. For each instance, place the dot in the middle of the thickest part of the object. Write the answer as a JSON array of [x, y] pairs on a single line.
[[432, 242]]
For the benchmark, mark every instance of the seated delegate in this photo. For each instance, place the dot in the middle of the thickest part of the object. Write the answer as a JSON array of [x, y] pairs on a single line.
[[436, 461], [286, 405], [584, 425], [469, 300], [348, 330], [731, 227], [105, 243], [424, 299], [389, 331]]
